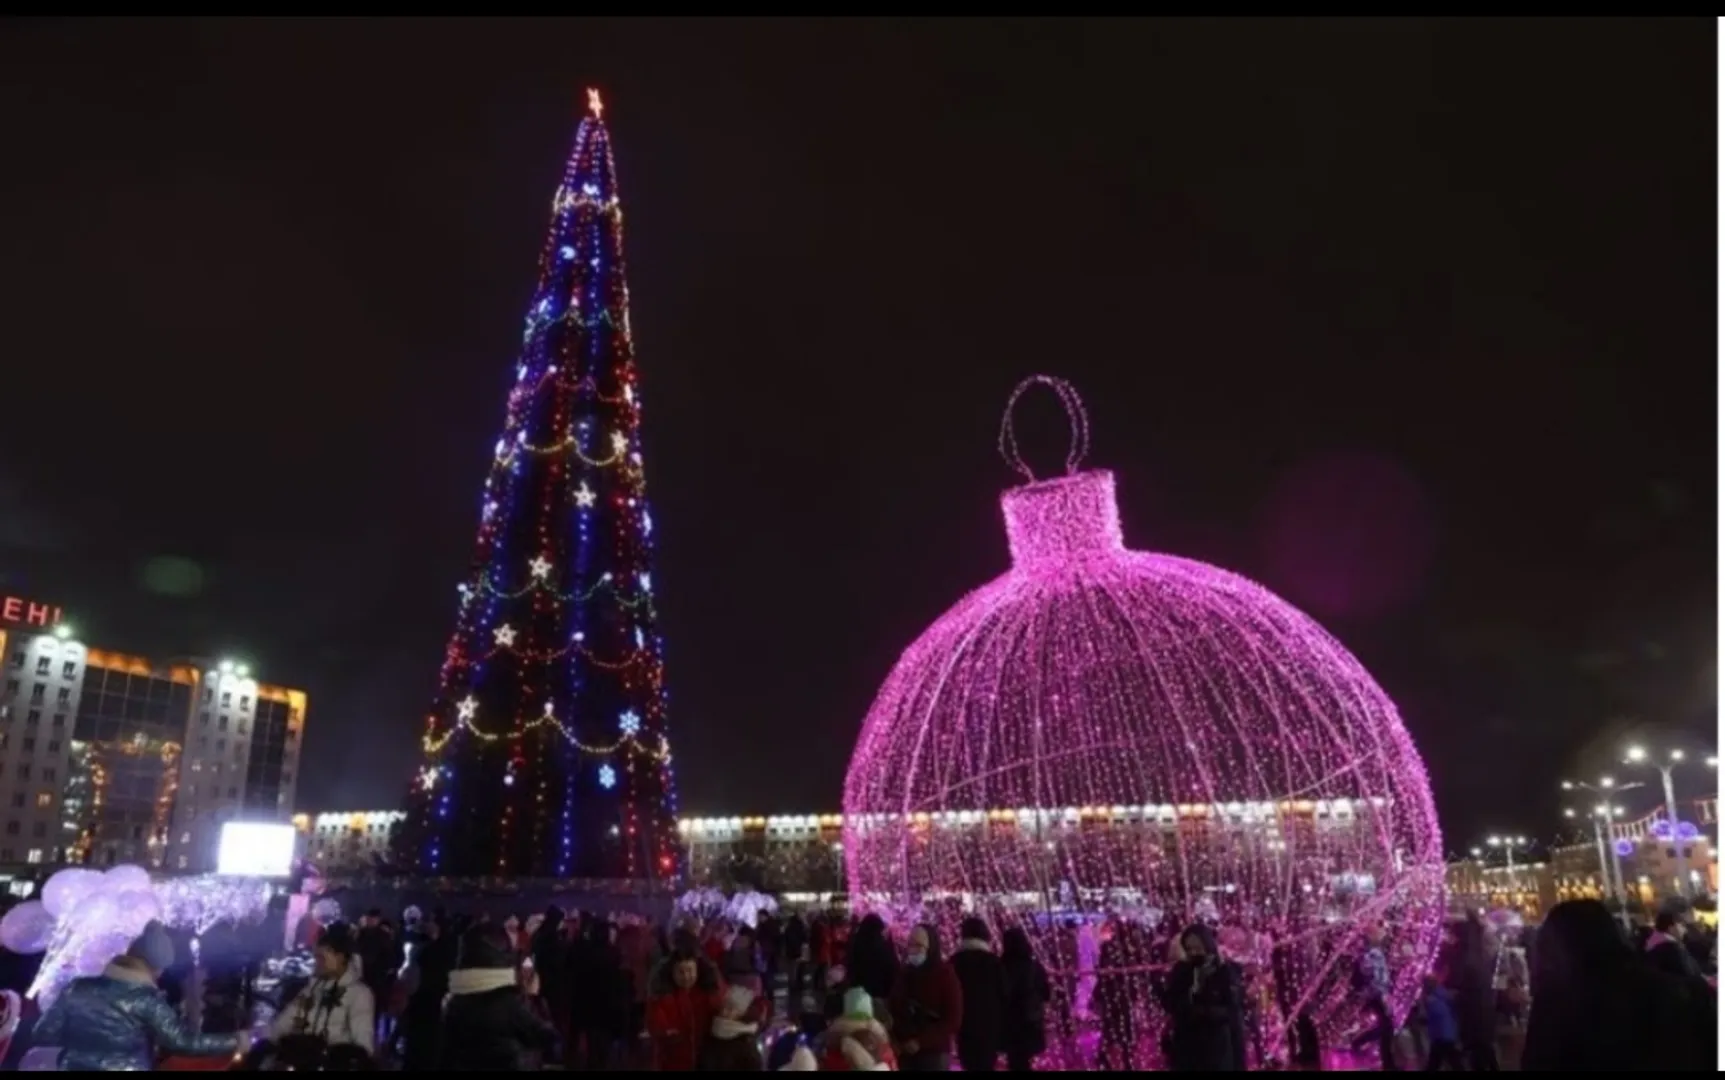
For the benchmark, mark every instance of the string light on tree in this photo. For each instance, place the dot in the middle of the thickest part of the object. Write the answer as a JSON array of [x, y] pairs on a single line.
[[1116, 738], [548, 651]]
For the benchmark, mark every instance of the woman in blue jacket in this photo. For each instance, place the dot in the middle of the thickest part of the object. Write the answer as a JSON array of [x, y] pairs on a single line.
[[119, 1021]]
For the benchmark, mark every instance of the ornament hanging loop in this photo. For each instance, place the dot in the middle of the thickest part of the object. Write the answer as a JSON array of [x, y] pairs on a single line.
[[1075, 416]]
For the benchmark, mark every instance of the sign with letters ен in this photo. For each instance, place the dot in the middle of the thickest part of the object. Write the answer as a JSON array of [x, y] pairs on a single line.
[[17, 611]]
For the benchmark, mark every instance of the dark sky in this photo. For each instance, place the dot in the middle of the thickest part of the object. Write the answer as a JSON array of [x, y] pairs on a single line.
[[1412, 320]]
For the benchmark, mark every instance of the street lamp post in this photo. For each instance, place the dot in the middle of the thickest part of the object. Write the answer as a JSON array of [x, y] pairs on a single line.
[[1639, 756], [1610, 873], [1609, 864]]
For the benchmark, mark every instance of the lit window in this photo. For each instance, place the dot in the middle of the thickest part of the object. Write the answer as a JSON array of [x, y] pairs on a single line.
[[44, 800], [34, 858]]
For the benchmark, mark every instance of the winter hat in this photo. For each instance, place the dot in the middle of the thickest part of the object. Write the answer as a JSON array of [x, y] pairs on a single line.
[[153, 947], [486, 948], [737, 1000], [337, 937], [858, 1005]]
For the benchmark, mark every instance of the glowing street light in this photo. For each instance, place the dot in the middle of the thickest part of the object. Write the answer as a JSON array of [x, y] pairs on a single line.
[[1611, 874], [1638, 755]]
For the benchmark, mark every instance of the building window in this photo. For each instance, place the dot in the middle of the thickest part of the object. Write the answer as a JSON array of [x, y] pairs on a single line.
[[53, 746], [204, 719], [42, 664], [221, 745], [5, 855], [18, 658], [245, 703], [44, 800], [35, 857], [18, 801], [11, 686], [11, 828], [69, 669], [222, 724], [37, 692], [182, 862], [23, 772], [50, 774], [29, 745], [59, 719], [65, 695], [197, 765], [208, 694], [227, 698], [32, 718], [38, 831], [185, 838]]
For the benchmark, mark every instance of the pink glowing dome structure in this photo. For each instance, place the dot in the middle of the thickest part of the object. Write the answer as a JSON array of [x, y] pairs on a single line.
[[1102, 745]]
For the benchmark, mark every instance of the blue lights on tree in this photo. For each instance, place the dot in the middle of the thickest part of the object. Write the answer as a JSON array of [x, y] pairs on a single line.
[[556, 663]]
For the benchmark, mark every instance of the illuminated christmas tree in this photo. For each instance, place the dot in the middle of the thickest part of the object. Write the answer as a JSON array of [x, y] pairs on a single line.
[[546, 748]]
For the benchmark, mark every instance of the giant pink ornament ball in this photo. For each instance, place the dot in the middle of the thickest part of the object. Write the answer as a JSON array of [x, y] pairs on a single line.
[[1101, 733]]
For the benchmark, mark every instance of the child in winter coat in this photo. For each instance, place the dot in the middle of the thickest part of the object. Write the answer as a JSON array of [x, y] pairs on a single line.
[[1442, 1034], [856, 1041], [680, 1018]]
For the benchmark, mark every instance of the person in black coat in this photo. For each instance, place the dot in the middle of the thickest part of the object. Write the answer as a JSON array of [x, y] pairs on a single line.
[[488, 1025], [1028, 991], [872, 963], [599, 993], [1598, 1006], [1205, 1000], [983, 980]]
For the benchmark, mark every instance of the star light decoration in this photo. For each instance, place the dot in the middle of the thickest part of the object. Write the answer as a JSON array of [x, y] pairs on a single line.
[[1099, 734], [629, 724], [543, 616], [607, 777]]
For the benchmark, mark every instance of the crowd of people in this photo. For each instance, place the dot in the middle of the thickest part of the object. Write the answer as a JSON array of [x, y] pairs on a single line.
[[455, 993]]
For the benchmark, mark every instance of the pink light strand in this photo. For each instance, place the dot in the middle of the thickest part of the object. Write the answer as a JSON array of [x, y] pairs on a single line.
[[1075, 415], [1106, 734]]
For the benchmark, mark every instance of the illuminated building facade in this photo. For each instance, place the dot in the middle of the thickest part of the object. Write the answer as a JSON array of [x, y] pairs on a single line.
[[348, 843], [803, 853], [107, 758]]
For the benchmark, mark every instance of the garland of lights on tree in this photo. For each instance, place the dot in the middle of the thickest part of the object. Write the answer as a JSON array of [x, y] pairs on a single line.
[[546, 746], [1104, 746]]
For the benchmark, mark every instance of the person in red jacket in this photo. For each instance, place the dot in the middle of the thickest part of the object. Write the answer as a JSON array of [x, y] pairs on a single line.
[[679, 1019], [927, 1005]]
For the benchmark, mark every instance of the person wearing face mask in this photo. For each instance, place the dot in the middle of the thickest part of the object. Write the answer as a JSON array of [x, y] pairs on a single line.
[[927, 1005], [1206, 1009]]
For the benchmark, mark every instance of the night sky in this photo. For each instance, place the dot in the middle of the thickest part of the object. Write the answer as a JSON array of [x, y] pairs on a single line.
[[1411, 320]]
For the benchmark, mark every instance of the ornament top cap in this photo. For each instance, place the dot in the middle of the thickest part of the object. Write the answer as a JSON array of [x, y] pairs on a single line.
[[1052, 523]]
